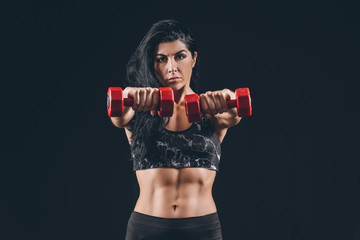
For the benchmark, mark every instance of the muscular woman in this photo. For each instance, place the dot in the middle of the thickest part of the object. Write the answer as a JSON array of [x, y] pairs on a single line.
[[175, 161]]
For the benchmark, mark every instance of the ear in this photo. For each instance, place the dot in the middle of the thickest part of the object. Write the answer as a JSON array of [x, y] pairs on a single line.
[[194, 59]]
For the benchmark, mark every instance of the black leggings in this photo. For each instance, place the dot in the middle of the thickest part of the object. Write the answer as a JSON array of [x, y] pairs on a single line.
[[142, 226]]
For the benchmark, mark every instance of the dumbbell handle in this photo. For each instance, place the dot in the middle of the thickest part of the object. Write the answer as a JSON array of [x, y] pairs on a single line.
[[128, 102], [231, 103]]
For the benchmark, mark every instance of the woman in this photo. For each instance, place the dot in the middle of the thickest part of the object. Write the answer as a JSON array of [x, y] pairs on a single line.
[[175, 161]]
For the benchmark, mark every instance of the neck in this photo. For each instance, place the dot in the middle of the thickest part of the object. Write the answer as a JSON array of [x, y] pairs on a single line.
[[179, 95]]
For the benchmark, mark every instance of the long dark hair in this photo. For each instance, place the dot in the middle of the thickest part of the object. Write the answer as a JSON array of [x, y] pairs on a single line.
[[141, 73]]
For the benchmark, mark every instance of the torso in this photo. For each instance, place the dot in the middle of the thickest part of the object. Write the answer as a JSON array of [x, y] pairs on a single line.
[[175, 193]]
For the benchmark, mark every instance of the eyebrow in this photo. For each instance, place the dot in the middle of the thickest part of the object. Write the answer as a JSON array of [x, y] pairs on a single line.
[[175, 53]]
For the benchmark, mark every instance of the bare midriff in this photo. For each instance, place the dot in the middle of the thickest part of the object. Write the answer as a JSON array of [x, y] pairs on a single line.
[[175, 193]]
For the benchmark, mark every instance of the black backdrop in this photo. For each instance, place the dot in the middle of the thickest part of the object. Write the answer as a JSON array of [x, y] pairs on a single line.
[[291, 171]]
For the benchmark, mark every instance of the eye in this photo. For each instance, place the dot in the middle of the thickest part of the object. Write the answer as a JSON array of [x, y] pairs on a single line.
[[162, 59], [181, 56]]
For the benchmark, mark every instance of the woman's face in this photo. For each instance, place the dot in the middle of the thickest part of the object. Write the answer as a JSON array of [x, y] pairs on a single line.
[[173, 64]]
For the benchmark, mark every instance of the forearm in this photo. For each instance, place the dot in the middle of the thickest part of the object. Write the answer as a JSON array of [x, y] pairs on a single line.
[[127, 115], [227, 119]]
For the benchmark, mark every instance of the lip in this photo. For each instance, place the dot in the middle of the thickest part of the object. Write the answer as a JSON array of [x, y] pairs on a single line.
[[173, 79]]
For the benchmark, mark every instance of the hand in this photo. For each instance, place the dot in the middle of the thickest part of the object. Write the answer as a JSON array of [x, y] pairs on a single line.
[[213, 103], [145, 99]]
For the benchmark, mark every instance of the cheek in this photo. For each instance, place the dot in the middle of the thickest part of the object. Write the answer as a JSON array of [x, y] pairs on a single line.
[[157, 71], [189, 68]]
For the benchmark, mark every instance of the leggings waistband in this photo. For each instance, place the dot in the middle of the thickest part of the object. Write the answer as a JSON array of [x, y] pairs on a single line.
[[189, 222]]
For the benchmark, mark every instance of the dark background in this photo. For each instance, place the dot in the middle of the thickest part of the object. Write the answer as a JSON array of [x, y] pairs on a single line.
[[291, 171]]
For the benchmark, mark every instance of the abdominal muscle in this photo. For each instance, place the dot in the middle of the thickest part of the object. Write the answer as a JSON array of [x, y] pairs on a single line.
[[175, 193]]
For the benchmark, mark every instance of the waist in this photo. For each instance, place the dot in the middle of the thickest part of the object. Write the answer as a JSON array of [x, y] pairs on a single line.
[[186, 222], [170, 206]]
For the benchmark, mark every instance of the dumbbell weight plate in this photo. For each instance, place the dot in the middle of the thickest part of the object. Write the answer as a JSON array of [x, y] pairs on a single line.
[[192, 106], [166, 102], [243, 101], [115, 103]]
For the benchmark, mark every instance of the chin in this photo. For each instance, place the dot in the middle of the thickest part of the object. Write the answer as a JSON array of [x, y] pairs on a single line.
[[177, 86]]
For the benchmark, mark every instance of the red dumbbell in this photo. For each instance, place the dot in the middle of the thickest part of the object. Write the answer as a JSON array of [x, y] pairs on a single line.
[[242, 103], [116, 102]]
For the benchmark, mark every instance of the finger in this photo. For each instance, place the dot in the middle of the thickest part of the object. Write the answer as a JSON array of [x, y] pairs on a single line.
[[155, 100], [211, 103], [227, 94], [223, 98], [219, 102], [203, 104], [136, 96], [148, 99], [129, 92], [142, 102]]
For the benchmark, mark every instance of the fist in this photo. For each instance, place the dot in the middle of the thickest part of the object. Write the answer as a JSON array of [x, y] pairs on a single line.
[[213, 103], [145, 99]]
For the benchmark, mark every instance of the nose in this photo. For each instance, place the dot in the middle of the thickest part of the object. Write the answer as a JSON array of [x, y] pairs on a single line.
[[172, 65]]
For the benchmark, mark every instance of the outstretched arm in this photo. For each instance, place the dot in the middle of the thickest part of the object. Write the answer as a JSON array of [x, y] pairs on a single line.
[[213, 104], [145, 99]]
